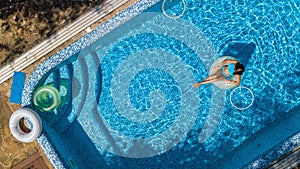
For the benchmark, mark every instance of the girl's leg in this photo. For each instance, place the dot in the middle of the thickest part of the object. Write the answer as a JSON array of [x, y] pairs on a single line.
[[210, 79], [221, 78], [215, 76], [219, 72], [218, 78]]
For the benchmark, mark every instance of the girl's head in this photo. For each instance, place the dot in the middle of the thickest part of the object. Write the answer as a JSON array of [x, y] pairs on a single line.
[[239, 69]]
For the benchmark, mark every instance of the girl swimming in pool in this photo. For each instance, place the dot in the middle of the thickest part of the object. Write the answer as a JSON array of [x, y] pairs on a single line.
[[225, 71]]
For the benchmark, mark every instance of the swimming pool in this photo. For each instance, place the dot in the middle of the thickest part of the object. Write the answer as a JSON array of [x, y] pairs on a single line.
[[129, 100]]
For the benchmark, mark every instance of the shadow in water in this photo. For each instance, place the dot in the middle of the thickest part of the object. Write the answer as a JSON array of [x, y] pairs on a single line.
[[241, 51]]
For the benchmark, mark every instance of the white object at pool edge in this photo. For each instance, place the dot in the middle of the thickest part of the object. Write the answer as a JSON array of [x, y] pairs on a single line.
[[251, 99], [15, 127]]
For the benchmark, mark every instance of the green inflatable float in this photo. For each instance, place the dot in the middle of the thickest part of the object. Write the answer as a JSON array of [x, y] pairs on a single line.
[[46, 98]]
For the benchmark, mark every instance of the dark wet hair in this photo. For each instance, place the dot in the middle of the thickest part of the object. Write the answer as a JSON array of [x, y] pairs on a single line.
[[239, 69]]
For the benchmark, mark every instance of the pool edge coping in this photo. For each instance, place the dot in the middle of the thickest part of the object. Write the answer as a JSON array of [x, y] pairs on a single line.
[[260, 161], [69, 51], [71, 30]]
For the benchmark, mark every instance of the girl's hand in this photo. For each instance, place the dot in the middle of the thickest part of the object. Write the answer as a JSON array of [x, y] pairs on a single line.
[[226, 61]]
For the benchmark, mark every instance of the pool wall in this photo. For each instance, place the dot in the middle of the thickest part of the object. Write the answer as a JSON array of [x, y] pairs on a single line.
[[46, 143], [283, 133], [292, 126]]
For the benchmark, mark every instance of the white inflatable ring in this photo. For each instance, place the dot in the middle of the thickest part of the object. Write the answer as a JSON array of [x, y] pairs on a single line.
[[173, 17], [242, 108], [17, 132], [212, 71]]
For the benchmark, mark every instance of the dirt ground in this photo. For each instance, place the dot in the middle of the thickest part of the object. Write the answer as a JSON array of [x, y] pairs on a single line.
[[25, 23]]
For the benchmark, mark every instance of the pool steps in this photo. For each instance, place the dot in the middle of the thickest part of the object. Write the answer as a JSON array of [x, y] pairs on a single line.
[[82, 23], [60, 123]]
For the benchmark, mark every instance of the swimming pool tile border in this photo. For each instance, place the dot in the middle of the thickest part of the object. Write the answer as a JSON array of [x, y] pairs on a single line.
[[50, 152], [80, 44], [275, 153], [69, 51], [261, 161]]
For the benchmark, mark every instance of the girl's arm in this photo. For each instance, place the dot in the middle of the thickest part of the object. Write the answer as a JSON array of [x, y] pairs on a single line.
[[238, 80], [226, 61]]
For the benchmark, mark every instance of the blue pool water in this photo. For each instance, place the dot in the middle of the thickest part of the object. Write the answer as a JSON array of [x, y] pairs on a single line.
[[129, 100]]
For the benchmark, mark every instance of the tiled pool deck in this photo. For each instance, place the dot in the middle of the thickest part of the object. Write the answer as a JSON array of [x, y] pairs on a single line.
[[69, 51], [12, 151]]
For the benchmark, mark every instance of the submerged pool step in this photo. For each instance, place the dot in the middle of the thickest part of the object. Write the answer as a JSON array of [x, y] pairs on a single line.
[[59, 38]]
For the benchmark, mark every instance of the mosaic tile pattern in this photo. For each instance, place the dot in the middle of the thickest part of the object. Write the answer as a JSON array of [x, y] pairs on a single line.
[[275, 153], [12, 151], [81, 44], [68, 52], [50, 152], [98, 33]]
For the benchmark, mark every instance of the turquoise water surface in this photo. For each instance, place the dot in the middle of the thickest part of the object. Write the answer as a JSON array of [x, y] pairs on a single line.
[[132, 95]]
